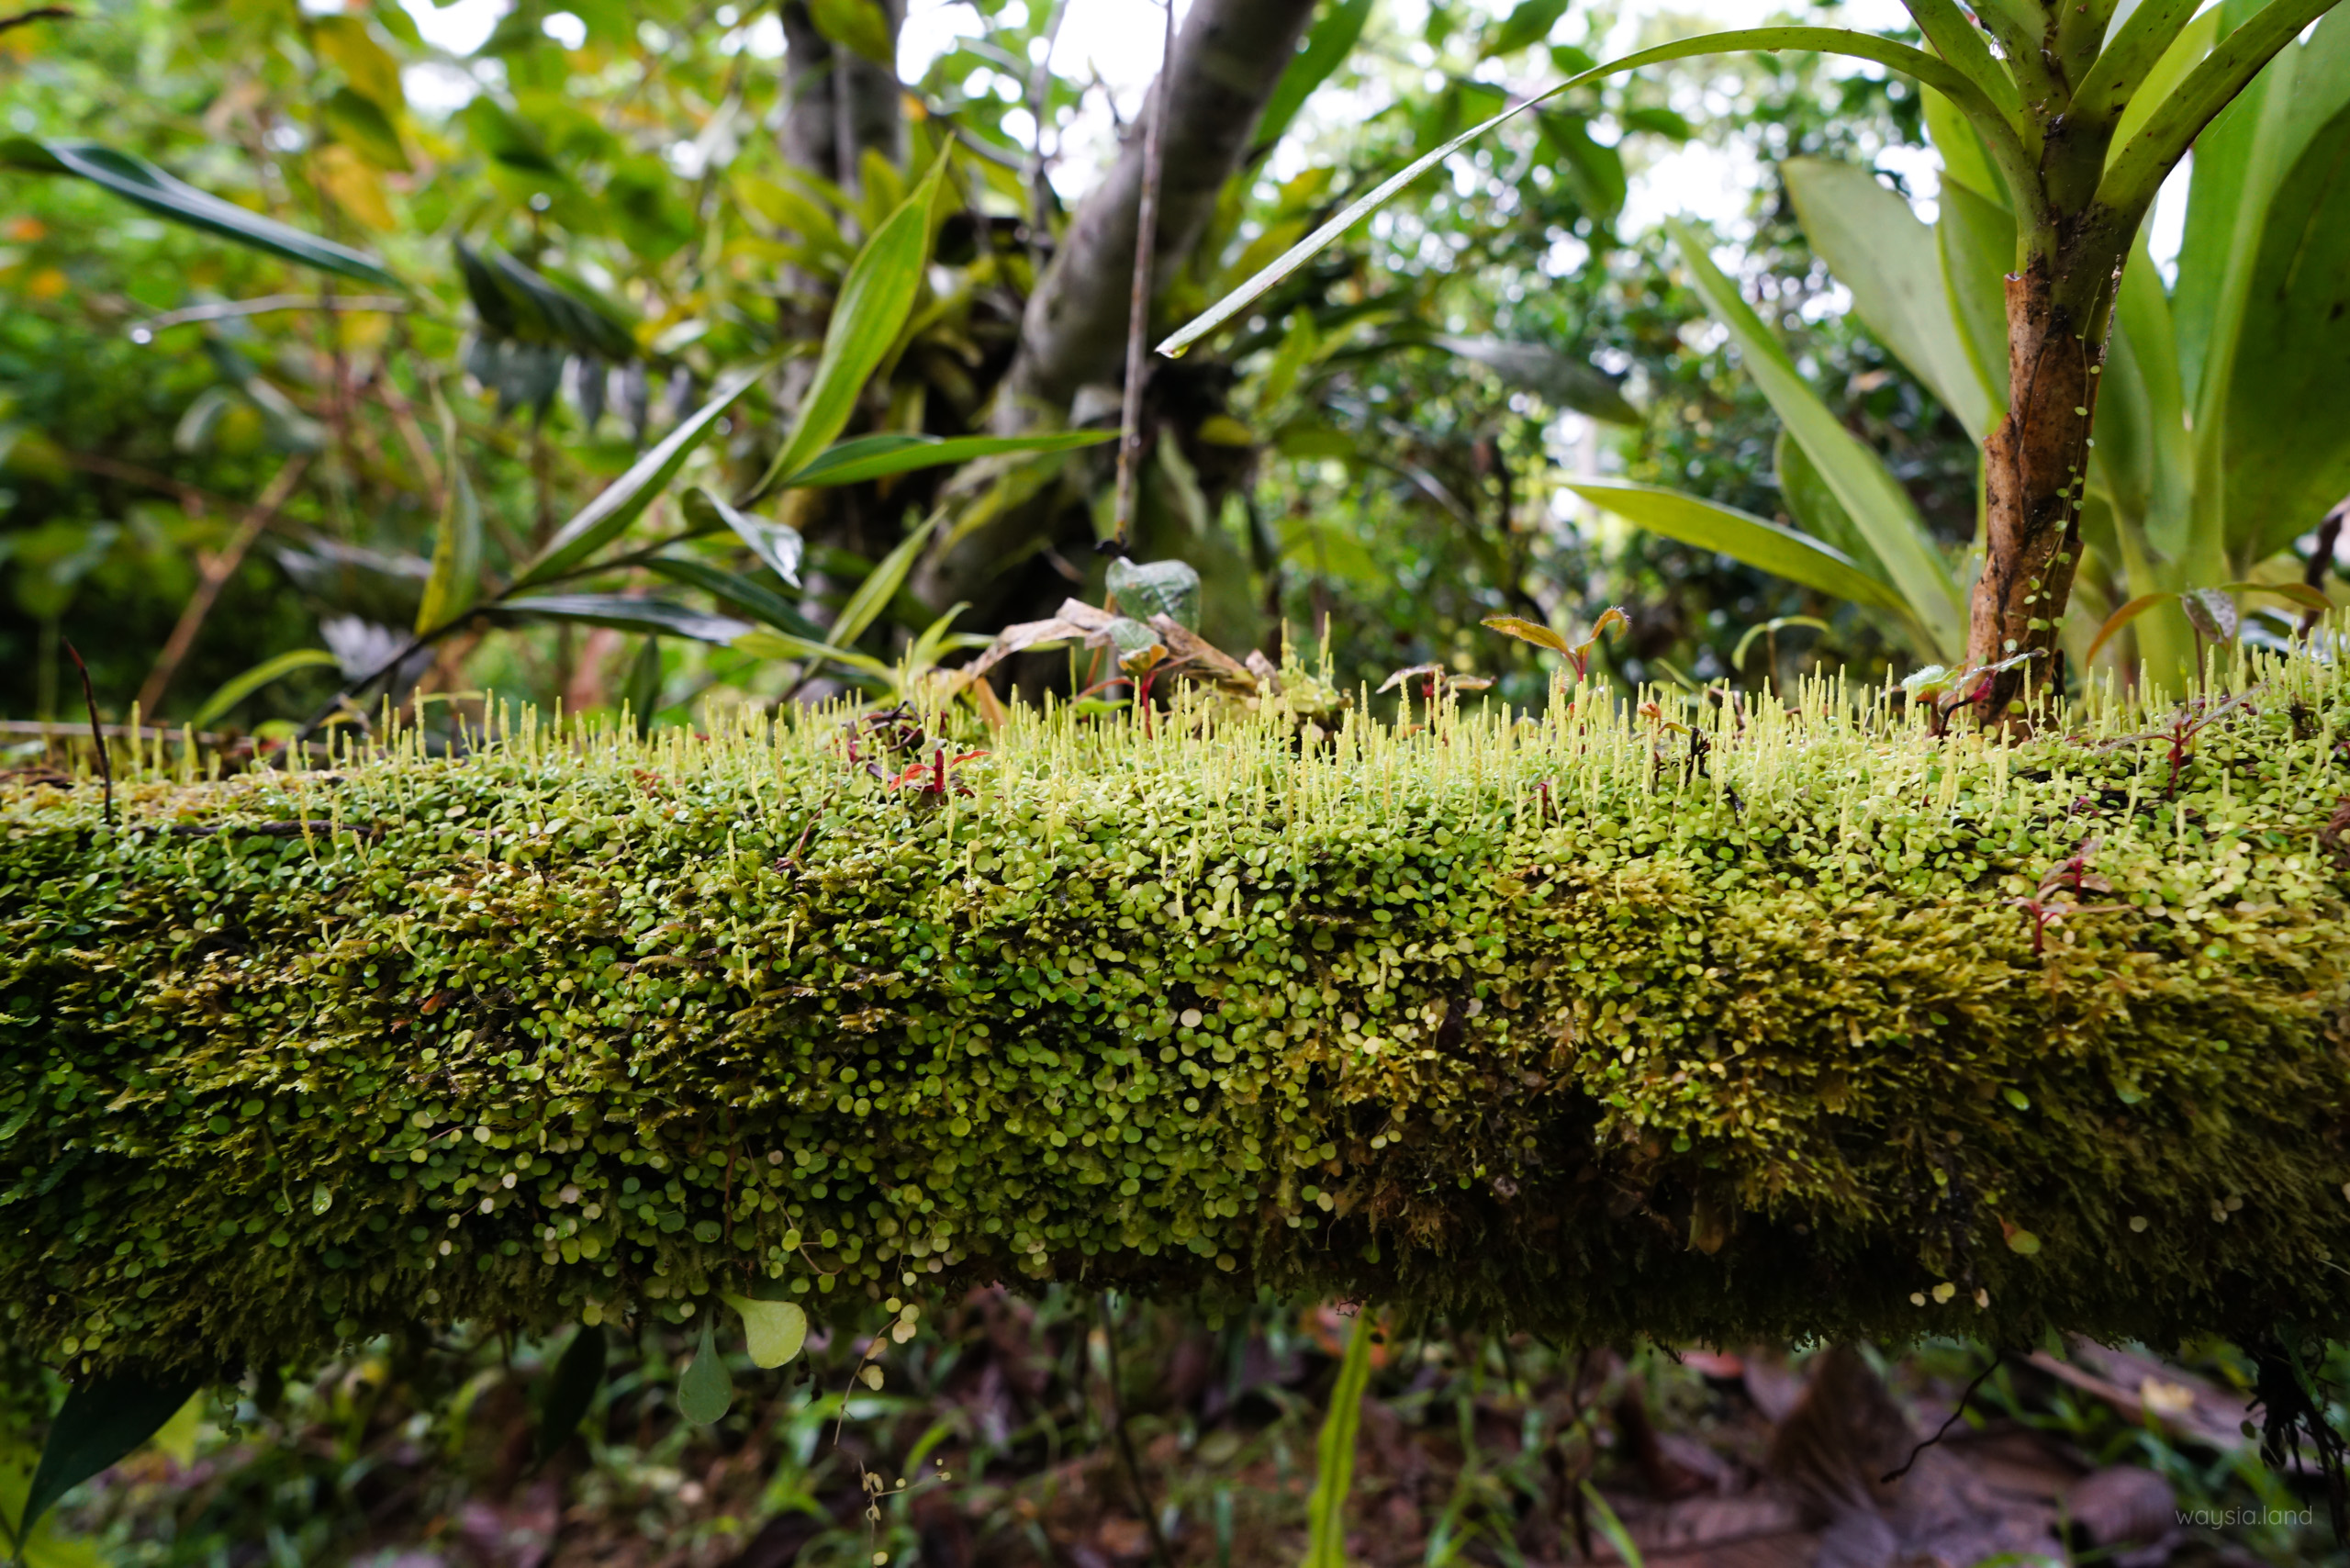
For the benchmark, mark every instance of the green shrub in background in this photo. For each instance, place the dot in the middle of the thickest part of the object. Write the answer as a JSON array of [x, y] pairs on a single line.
[[1714, 1025]]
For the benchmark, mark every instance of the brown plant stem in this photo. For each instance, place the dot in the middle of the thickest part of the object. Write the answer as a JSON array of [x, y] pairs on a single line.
[[1158, 1553], [214, 572], [97, 731], [1154, 165]]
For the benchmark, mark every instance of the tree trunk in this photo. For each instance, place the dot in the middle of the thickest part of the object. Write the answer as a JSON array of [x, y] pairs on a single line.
[[1227, 60], [2037, 462], [839, 103]]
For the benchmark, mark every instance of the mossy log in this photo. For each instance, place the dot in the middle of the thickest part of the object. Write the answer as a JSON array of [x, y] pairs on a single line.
[[1809, 1023]]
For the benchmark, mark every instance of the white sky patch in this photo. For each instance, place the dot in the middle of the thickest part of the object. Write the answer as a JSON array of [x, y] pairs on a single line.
[[460, 29]]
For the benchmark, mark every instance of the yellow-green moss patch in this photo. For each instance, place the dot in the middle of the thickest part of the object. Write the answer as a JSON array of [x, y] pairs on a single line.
[[1568, 1024]]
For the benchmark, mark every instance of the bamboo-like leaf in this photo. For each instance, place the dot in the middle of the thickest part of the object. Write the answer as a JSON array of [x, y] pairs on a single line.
[[238, 688], [857, 25], [2123, 617], [137, 181], [1761, 544], [880, 456], [1529, 23], [624, 499], [1970, 98], [101, 1421], [875, 300], [1563, 379], [572, 1390], [455, 581], [2138, 170], [1880, 508], [742, 593], [1333, 1454], [707, 1388], [777, 543], [762, 643], [873, 594], [621, 612], [1328, 45], [1891, 262], [2301, 594]]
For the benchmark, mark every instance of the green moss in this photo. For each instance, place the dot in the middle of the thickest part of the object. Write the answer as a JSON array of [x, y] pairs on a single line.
[[1519, 1022]]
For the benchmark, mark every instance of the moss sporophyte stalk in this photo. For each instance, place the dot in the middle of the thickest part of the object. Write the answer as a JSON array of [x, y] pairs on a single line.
[[1573, 1024]]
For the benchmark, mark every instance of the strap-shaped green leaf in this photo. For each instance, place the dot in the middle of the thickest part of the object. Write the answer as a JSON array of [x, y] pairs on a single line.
[[101, 1421], [1765, 545], [572, 1390], [1328, 45], [455, 581], [880, 456], [1971, 99], [1877, 504], [136, 180], [238, 688], [777, 543], [625, 614], [1333, 1454], [875, 300], [2138, 170], [2123, 67], [624, 499], [739, 591], [1892, 262], [1948, 28], [873, 594]]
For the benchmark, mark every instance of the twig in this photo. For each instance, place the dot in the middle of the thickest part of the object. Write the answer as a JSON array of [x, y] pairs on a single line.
[[2320, 561], [1126, 1441], [1138, 303], [1980, 1378], [97, 732], [217, 571], [39, 14]]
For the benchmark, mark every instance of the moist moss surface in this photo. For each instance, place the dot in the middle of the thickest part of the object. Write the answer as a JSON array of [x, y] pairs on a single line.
[[1575, 1024]]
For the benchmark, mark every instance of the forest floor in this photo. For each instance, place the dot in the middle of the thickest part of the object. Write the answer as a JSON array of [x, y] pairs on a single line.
[[993, 1443]]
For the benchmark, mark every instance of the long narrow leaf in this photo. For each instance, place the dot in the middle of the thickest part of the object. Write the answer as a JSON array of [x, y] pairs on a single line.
[[740, 592], [1326, 46], [572, 1389], [101, 1421], [136, 180], [873, 594], [1761, 544], [875, 300], [1978, 105], [654, 615], [777, 543], [880, 456], [1334, 1473], [813, 651], [1880, 508], [2123, 617], [625, 499], [2134, 176], [1878, 249], [238, 688], [455, 581], [2122, 67]]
